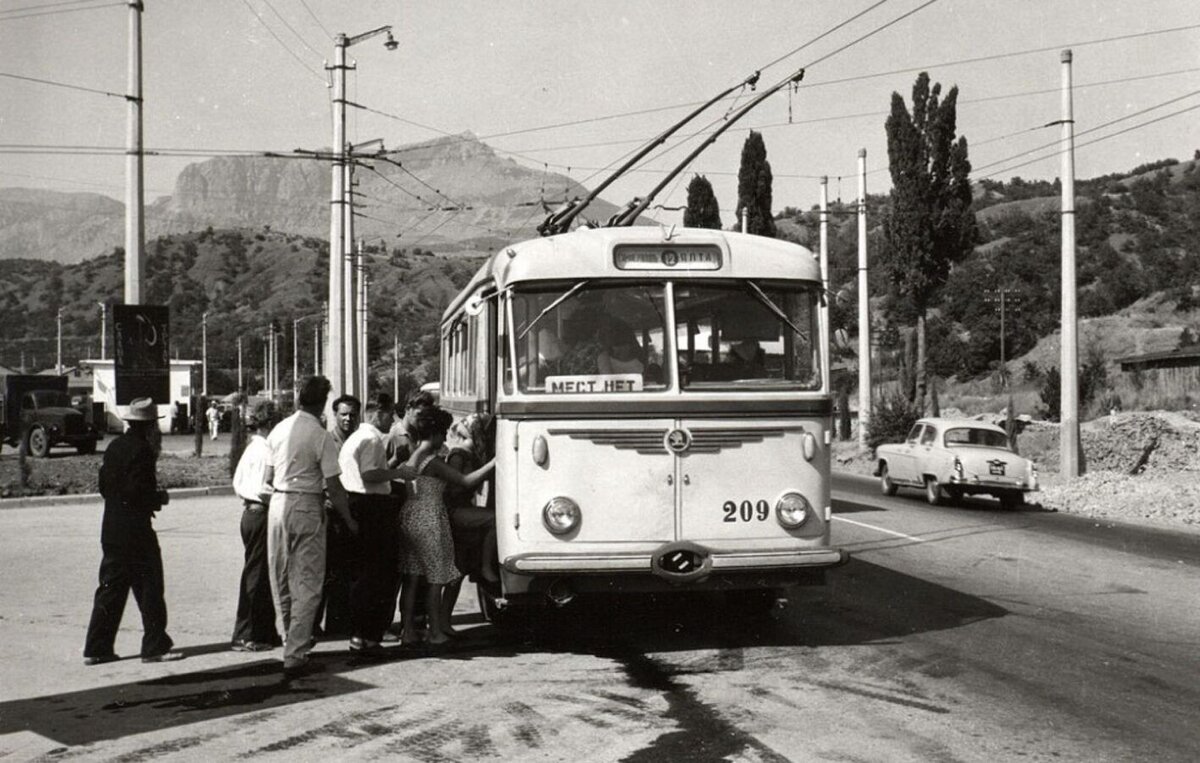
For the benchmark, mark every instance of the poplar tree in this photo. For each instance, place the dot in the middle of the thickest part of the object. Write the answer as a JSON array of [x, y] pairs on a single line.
[[702, 208], [754, 187], [930, 224]]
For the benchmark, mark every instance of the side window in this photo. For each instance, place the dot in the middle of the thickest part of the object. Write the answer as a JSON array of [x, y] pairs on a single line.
[[928, 435], [914, 434]]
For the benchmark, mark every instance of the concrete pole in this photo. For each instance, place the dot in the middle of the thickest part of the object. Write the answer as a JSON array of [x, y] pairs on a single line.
[[58, 364], [334, 358], [350, 290], [204, 352], [396, 369], [267, 365], [745, 222], [864, 307], [364, 281], [1070, 460], [317, 348], [296, 364], [135, 227], [241, 383], [824, 260], [103, 329]]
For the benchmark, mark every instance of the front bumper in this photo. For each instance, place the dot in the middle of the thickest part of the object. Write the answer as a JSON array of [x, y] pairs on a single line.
[[708, 562]]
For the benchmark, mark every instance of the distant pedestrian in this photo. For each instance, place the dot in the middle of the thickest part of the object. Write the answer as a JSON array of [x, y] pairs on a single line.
[[214, 419], [132, 558], [340, 548], [367, 479], [304, 467], [254, 629]]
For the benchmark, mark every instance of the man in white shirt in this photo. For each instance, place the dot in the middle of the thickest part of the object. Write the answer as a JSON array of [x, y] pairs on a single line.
[[367, 479], [254, 629], [304, 467]]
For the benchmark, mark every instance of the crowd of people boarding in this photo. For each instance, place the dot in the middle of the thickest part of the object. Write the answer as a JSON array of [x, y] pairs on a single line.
[[381, 510]]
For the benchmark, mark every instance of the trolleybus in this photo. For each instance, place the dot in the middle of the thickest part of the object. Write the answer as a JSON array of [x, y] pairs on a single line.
[[662, 419]]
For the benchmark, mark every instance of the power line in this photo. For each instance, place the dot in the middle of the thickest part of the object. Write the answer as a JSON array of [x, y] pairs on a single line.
[[314, 18], [292, 29], [824, 34], [59, 11], [61, 84], [283, 44], [44, 6]]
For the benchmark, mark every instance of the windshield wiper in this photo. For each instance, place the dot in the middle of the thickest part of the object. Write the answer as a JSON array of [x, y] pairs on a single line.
[[563, 298], [775, 309]]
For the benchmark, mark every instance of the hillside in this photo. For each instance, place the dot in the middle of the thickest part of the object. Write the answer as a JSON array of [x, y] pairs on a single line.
[[244, 279], [452, 194]]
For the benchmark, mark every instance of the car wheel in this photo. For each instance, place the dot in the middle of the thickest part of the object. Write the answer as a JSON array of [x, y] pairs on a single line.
[[954, 494], [933, 491], [510, 620], [1009, 501], [39, 443], [886, 486]]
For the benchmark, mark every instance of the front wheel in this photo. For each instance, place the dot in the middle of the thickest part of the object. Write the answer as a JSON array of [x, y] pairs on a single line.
[[933, 491], [886, 486], [39, 443]]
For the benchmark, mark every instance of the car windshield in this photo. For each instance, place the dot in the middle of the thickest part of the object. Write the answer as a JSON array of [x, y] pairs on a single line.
[[974, 436], [51, 399]]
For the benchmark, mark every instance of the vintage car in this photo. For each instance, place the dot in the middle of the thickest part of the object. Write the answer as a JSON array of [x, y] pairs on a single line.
[[956, 457]]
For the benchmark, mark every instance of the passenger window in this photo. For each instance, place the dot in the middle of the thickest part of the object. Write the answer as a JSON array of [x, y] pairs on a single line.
[[914, 434], [928, 435]]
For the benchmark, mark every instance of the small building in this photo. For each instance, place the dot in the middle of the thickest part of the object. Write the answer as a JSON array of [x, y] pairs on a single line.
[[104, 391], [1183, 357]]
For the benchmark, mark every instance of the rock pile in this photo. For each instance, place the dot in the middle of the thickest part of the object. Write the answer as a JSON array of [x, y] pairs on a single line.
[[1143, 443]]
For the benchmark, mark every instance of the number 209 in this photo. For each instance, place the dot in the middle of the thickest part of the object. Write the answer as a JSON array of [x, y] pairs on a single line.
[[746, 511]]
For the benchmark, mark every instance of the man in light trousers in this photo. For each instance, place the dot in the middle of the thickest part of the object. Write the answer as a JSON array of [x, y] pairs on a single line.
[[304, 467]]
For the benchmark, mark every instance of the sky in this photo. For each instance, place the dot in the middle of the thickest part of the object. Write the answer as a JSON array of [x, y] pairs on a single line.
[[572, 87]]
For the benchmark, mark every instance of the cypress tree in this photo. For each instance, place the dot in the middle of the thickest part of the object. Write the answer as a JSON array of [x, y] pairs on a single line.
[[930, 224], [754, 187], [702, 208]]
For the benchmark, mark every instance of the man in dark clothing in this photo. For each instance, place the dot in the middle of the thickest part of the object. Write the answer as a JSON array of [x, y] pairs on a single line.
[[340, 545], [132, 560], [254, 629]]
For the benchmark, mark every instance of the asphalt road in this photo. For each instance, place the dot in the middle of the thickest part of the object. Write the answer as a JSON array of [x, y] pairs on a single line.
[[960, 633]]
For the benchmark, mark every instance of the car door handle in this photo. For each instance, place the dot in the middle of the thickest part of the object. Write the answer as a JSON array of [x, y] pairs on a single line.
[[670, 479], [687, 480]]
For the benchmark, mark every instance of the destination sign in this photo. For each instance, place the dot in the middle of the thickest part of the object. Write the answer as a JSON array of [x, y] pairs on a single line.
[[594, 383], [665, 256]]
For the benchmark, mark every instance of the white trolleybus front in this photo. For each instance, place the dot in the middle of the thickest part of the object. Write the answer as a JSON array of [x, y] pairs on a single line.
[[661, 420]]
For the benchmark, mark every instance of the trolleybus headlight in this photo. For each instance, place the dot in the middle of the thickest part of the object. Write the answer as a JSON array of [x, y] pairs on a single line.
[[792, 510], [561, 515]]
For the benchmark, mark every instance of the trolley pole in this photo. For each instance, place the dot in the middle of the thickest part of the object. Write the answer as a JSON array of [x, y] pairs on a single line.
[[864, 307], [1070, 456]]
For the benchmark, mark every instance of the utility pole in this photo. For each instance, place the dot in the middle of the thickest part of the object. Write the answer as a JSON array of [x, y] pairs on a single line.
[[825, 296], [337, 200], [745, 221], [1001, 298], [204, 352], [58, 364], [350, 283], [267, 365], [135, 228], [241, 383], [1070, 456], [864, 307], [396, 369], [103, 329], [296, 363], [317, 343], [364, 281]]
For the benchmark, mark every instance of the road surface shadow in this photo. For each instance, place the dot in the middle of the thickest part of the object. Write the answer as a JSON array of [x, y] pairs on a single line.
[[861, 603]]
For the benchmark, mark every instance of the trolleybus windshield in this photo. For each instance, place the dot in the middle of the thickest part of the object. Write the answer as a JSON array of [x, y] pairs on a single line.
[[612, 337]]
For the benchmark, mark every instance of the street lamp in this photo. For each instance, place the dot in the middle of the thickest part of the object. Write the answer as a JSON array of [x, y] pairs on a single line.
[[335, 357]]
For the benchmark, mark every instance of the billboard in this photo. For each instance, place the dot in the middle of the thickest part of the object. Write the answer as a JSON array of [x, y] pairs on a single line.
[[142, 359]]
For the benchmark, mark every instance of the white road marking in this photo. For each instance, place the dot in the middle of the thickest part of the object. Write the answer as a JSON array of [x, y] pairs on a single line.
[[881, 529]]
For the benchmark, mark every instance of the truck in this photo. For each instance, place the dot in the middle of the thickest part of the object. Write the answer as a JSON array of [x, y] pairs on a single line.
[[38, 410]]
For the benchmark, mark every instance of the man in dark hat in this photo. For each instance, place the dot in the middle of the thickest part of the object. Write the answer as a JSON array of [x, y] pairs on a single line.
[[132, 559], [254, 629]]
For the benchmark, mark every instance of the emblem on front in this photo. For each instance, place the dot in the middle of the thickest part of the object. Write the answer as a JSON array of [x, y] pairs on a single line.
[[680, 562], [678, 440]]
